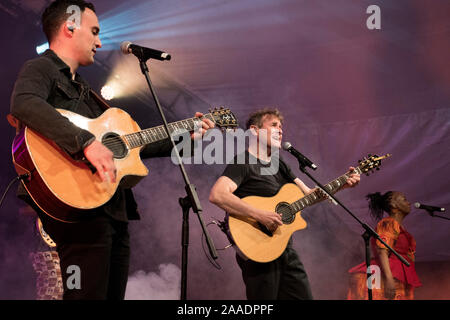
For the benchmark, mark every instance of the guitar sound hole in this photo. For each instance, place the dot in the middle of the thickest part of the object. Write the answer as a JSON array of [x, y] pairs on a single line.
[[114, 143], [286, 211]]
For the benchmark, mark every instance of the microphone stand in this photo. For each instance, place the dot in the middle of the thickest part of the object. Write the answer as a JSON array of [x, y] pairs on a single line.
[[369, 232], [431, 213], [190, 201]]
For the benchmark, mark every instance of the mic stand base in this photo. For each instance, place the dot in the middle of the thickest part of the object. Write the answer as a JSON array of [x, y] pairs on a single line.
[[185, 205]]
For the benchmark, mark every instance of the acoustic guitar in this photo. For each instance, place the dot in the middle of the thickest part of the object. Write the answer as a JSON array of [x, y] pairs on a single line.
[[256, 242], [64, 188]]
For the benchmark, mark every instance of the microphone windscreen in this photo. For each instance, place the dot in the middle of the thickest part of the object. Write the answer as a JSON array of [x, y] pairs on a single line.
[[286, 145], [417, 205], [124, 47]]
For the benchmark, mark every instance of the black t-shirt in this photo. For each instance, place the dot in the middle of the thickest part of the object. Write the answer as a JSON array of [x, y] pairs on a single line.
[[254, 178]]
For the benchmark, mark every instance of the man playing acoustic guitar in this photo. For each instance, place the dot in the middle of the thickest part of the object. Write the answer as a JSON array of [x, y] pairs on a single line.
[[285, 276], [98, 246]]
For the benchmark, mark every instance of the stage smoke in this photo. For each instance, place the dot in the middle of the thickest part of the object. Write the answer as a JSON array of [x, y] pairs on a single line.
[[153, 286]]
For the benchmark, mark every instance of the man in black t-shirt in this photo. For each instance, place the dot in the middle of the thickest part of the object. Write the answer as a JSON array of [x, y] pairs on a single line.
[[248, 175]]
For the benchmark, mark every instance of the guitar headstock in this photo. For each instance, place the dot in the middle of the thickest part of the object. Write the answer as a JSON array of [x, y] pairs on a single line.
[[371, 163], [224, 118]]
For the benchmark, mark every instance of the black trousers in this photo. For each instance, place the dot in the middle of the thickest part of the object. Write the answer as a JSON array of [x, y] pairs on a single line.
[[94, 256], [282, 279]]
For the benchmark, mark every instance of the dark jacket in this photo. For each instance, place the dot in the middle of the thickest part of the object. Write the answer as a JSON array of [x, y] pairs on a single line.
[[45, 83]]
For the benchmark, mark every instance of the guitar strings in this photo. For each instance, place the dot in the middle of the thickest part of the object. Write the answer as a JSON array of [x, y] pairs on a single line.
[[129, 140], [120, 140], [298, 203], [117, 141]]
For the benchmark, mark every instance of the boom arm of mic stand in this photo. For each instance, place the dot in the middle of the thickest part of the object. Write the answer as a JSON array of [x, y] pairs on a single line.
[[431, 213], [368, 229], [190, 189]]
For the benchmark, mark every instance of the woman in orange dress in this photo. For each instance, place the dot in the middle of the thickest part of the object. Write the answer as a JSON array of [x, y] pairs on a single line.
[[397, 280]]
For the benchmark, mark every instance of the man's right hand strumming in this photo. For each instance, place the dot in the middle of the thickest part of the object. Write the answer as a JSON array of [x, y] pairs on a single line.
[[102, 159], [271, 220]]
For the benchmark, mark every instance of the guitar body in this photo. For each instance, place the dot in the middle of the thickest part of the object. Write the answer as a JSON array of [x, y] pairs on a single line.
[[64, 188], [257, 243], [252, 241]]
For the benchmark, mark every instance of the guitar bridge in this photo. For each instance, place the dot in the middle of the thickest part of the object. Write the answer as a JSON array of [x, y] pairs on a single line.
[[264, 229]]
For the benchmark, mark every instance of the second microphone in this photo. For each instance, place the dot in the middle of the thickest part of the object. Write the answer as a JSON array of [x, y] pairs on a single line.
[[304, 160]]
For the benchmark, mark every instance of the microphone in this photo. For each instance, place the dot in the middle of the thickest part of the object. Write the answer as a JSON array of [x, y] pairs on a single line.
[[304, 160], [143, 53], [428, 208]]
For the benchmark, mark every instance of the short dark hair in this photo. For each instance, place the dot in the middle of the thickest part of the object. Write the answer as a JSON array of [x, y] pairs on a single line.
[[56, 14], [256, 117]]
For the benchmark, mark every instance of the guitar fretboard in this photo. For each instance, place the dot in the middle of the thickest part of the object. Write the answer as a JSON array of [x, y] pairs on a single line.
[[141, 138], [316, 196]]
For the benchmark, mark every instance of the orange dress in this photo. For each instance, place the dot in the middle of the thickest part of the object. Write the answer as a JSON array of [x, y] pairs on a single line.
[[406, 278]]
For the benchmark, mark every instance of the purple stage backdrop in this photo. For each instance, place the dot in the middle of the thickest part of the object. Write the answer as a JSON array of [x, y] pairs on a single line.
[[345, 91]]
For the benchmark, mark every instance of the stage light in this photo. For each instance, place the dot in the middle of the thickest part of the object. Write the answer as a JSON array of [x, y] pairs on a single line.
[[107, 92], [41, 49], [148, 22], [123, 80]]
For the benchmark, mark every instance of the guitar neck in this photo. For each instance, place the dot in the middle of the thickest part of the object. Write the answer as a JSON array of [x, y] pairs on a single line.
[[144, 137], [316, 196]]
